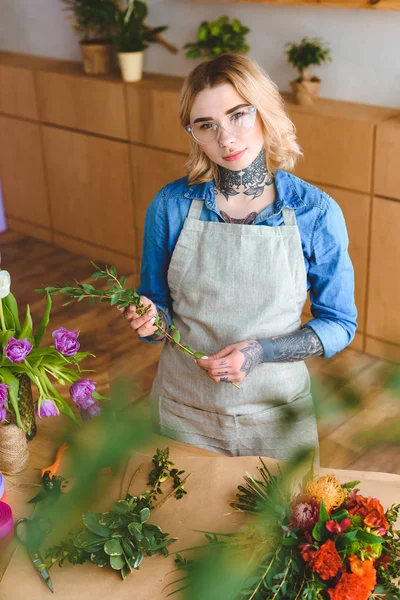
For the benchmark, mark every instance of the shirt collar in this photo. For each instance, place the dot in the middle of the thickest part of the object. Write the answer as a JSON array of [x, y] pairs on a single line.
[[286, 193]]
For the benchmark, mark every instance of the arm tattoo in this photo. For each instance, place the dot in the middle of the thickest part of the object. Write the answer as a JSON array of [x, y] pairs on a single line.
[[158, 335], [292, 347], [253, 356]]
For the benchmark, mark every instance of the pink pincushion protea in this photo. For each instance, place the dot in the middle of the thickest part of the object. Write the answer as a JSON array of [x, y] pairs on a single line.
[[305, 514]]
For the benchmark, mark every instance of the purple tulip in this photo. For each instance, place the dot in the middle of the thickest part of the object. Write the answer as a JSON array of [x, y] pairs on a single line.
[[81, 393], [3, 414], [47, 409], [66, 341], [93, 411], [17, 350], [3, 394]]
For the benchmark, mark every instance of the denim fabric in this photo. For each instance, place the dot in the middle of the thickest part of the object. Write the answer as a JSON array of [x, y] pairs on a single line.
[[330, 275]]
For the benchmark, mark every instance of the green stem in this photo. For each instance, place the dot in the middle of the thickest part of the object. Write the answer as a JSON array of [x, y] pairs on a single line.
[[265, 574], [3, 324]]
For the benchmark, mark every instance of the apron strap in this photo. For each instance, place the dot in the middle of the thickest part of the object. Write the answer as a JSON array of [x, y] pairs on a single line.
[[195, 209], [289, 218]]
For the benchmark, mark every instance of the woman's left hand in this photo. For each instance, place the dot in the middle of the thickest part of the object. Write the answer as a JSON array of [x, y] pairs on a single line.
[[233, 363]]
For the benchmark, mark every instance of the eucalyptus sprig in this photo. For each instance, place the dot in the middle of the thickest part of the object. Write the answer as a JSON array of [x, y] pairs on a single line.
[[117, 295], [122, 537]]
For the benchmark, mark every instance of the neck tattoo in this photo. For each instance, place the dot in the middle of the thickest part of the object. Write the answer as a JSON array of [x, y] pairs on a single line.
[[250, 182]]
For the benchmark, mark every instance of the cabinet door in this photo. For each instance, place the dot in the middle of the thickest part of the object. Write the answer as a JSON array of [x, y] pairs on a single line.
[[90, 190], [387, 156], [153, 108], [17, 92], [152, 169], [82, 102], [22, 172], [337, 151], [383, 317]]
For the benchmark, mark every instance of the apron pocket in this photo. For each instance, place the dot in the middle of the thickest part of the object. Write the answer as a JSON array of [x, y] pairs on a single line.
[[187, 424]]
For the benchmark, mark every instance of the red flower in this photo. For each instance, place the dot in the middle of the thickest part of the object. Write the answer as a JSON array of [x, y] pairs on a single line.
[[370, 509], [325, 561], [336, 527], [382, 561], [350, 587]]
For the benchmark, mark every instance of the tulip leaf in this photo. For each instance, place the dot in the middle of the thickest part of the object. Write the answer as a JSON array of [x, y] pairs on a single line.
[[44, 322], [11, 313], [26, 331], [10, 379]]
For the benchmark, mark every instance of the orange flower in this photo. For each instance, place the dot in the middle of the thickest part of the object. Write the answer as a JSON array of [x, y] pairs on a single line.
[[328, 489], [370, 509], [350, 587], [365, 570], [325, 561]]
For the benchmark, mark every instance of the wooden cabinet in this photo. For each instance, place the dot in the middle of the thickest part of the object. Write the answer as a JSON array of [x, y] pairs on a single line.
[[337, 139], [151, 170], [22, 175], [90, 190], [71, 99], [153, 109], [387, 159], [383, 317], [17, 92], [367, 4]]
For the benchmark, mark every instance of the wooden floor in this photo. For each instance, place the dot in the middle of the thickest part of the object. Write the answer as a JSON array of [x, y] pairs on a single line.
[[353, 399]]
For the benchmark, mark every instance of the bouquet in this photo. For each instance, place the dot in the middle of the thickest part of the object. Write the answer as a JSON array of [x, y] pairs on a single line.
[[24, 360], [326, 542]]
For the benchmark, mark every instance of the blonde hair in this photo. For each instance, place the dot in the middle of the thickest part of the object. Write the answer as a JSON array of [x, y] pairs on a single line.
[[256, 87]]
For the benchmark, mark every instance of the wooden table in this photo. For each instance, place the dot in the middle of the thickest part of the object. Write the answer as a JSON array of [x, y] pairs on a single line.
[[212, 486]]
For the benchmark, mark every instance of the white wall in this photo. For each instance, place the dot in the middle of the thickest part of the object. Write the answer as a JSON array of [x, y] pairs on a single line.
[[365, 44]]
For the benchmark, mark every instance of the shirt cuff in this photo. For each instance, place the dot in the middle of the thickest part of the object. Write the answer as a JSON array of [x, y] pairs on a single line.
[[169, 317], [332, 335]]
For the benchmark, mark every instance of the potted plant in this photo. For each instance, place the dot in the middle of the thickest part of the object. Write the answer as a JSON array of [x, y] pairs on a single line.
[[309, 52], [23, 361], [132, 36], [218, 37], [93, 22]]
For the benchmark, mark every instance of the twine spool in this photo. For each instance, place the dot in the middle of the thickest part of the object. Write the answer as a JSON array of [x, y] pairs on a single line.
[[13, 449]]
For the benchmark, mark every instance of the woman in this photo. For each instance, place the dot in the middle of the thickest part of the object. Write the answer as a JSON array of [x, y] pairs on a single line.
[[229, 253]]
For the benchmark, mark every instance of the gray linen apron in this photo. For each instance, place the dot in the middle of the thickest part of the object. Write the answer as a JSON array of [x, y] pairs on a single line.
[[230, 283]]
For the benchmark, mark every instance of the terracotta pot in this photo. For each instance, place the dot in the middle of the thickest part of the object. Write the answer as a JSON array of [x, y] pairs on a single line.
[[306, 91], [97, 57], [131, 65]]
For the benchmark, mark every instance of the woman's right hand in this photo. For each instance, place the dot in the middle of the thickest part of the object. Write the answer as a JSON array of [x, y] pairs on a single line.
[[143, 325]]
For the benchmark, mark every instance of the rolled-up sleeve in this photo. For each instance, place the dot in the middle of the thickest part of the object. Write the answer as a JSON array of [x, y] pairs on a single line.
[[156, 259], [331, 280]]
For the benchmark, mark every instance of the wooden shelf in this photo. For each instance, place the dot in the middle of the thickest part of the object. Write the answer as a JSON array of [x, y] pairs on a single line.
[[365, 4]]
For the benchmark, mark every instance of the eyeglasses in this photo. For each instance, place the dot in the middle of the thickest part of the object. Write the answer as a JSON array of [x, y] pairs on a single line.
[[236, 124]]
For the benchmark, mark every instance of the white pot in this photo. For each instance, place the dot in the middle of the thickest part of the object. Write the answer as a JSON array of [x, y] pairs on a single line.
[[130, 64]]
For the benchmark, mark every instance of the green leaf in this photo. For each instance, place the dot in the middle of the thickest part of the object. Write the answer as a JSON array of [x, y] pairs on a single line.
[[135, 529], [199, 354], [127, 548], [113, 548], [121, 507], [319, 531], [136, 560], [144, 514], [86, 539], [176, 336], [117, 562], [100, 559], [345, 539], [44, 322], [369, 538], [9, 378], [10, 309], [92, 522], [62, 404], [26, 331]]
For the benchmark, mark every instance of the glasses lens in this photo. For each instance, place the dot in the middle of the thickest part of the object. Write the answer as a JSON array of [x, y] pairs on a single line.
[[205, 132], [237, 124]]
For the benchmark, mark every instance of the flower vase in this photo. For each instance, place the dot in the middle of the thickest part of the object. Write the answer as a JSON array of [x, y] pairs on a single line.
[[26, 408]]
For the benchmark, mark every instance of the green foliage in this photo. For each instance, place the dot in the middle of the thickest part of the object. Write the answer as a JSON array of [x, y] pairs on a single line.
[[130, 33], [122, 537], [218, 37], [117, 295], [309, 52], [93, 18]]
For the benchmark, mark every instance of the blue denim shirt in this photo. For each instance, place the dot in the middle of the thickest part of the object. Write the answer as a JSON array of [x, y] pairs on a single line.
[[330, 275]]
